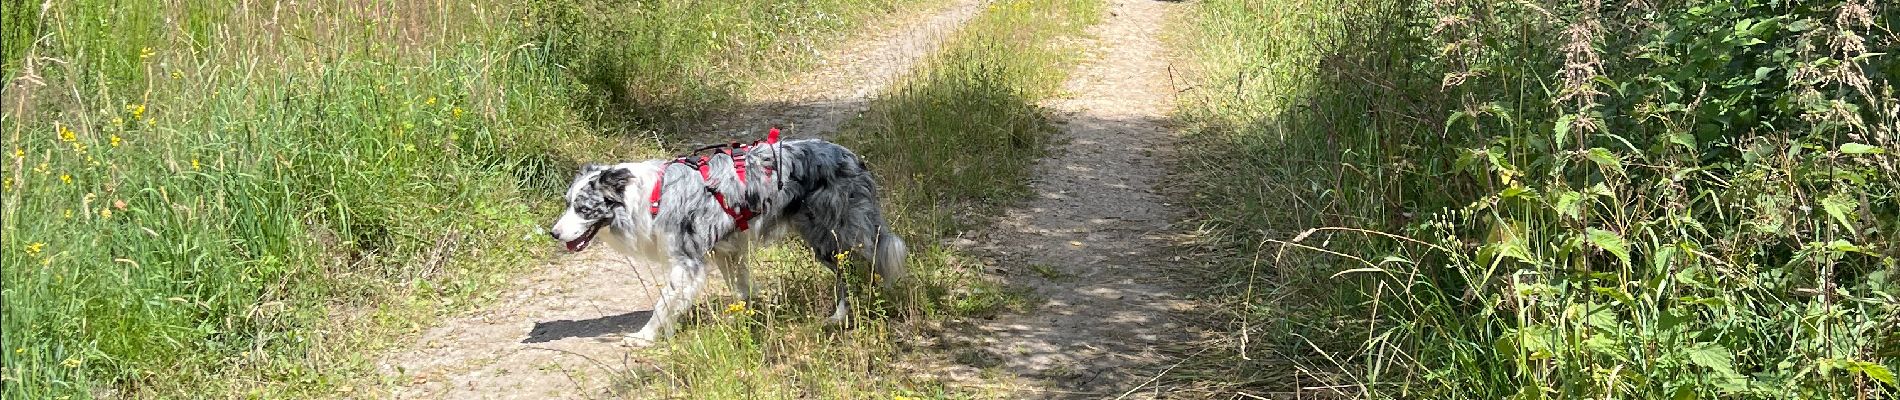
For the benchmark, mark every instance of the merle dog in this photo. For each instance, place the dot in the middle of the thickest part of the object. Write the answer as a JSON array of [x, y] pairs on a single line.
[[690, 212]]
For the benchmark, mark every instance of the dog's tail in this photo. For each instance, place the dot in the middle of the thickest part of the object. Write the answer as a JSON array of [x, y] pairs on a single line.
[[889, 258]]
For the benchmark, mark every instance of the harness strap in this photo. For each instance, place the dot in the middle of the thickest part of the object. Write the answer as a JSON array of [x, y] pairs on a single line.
[[741, 218]]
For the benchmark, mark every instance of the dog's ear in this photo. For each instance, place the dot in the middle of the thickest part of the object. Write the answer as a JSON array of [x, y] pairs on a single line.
[[612, 182]]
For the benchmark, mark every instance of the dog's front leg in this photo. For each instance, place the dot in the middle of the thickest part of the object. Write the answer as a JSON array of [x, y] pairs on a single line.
[[685, 279], [732, 265]]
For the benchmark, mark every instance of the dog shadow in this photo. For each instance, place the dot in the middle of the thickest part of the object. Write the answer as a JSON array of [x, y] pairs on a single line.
[[549, 331]]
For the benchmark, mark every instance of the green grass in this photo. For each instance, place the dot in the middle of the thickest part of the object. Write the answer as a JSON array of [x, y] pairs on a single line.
[[955, 137], [204, 199], [1489, 199]]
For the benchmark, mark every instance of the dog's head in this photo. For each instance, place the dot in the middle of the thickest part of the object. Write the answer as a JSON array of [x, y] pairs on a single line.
[[598, 197]]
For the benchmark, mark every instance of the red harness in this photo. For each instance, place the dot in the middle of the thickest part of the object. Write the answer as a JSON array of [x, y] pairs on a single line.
[[741, 218]]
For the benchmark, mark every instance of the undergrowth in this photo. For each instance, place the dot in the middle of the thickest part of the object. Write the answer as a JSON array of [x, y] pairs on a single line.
[[1502, 199], [955, 137], [205, 199]]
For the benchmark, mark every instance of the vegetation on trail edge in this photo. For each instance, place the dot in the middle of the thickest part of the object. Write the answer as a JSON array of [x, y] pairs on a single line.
[[1496, 199], [207, 199], [955, 137]]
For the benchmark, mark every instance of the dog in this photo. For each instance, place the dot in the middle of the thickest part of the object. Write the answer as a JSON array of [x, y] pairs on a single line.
[[688, 213]]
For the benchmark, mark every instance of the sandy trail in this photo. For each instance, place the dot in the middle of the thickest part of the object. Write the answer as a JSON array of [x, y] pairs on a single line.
[[557, 333], [1091, 244]]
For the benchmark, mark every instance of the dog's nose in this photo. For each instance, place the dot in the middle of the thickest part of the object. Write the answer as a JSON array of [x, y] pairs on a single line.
[[551, 235]]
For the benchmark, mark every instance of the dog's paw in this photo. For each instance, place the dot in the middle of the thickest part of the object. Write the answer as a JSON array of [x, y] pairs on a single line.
[[638, 340]]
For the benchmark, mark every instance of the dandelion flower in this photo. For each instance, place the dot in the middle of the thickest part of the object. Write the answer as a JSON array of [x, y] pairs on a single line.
[[736, 308], [114, 140], [455, 112], [67, 135], [137, 111], [430, 101], [194, 163], [66, 178], [34, 248]]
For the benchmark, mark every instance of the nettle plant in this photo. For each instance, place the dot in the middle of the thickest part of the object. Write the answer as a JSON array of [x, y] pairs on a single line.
[[1687, 200]]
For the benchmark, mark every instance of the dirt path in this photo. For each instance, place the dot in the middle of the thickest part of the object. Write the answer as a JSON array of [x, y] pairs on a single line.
[[1091, 243], [816, 103], [557, 335]]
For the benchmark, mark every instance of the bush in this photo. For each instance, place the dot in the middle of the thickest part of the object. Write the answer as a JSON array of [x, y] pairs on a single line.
[[1630, 200]]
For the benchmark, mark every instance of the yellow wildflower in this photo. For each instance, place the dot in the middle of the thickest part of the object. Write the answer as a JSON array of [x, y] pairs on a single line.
[[66, 178], [841, 255], [736, 308], [79, 147], [19, 153], [455, 112], [145, 53], [176, 74], [7, 184], [42, 168], [69, 213], [67, 135], [194, 163], [73, 362], [114, 140], [34, 248], [21, 350], [105, 213], [430, 101], [137, 110]]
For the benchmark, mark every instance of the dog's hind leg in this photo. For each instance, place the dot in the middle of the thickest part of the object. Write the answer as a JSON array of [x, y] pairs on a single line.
[[732, 266], [842, 314], [684, 280]]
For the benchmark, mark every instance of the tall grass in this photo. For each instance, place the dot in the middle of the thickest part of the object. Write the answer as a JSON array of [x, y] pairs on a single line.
[[209, 199], [955, 137], [666, 64], [1485, 199]]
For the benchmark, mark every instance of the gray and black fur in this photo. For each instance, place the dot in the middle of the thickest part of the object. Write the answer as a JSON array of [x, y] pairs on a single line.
[[816, 188]]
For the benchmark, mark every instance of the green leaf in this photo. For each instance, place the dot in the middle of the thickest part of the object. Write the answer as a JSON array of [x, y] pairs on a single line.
[[1841, 206], [1563, 129], [1605, 159], [1568, 204], [1713, 356], [1610, 242], [1878, 372], [1857, 148]]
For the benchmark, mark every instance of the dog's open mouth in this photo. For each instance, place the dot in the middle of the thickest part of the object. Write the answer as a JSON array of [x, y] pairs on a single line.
[[580, 243]]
